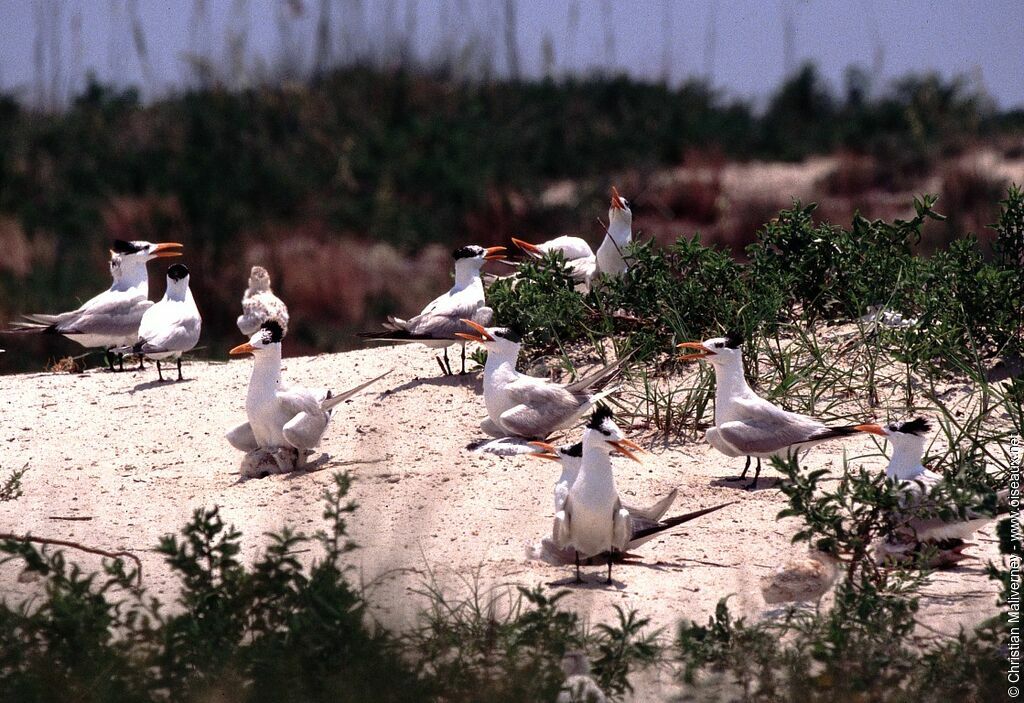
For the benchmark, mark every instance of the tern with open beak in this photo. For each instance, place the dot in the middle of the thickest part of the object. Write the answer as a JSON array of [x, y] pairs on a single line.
[[286, 422], [259, 304], [525, 406], [437, 326], [581, 260], [914, 531], [110, 319], [610, 260], [171, 327], [592, 521], [746, 424], [644, 523], [579, 257]]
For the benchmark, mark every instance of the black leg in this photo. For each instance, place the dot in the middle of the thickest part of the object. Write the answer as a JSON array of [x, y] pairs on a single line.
[[746, 467], [757, 473], [440, 364], [120, 361], [447, 363], [110, 360], [158, 371], [142, 365], [463, 358], [578, 578], [179, 369]]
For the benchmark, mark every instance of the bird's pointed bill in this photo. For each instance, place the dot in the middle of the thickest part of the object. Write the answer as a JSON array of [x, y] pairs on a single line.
[[623, 446], [617, 200], [873, 429], [482, 337], [494, 253], [547, 451], [527, 247], [242, 349], [167, 249], [702, 351]]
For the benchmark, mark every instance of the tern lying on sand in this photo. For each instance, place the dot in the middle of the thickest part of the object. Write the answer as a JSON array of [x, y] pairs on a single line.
[[440, 322], [914, 532], [111, 319], [746, 424], [525, 406], [286, 422]]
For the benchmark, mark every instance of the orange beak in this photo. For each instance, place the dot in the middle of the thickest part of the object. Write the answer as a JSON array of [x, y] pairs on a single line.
[[482, 337], [163, 250], [549, 451], [623, 447], [617, 200], [242, 349], [701, 351], [494, 253], [527, 247], [873, 429]]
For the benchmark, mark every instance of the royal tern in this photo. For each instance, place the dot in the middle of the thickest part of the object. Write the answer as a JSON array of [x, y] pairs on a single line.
[[525, 406], [570, 457], [610, 259], [285, 421], [259, 304], [644, 523], [592, 521], [746, 424], [171, 326], [579, 686], [437, 326], [111, 319], [579, 257], [913, 530]]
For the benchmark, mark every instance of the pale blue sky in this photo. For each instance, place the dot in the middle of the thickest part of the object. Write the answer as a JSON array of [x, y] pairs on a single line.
[[740, 43]]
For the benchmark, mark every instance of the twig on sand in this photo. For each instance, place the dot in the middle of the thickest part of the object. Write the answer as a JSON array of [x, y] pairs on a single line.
[[69, 517], [81, 547]]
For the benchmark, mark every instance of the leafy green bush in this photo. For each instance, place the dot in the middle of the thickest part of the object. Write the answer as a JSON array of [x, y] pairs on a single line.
[[961, 309], [864, 647]]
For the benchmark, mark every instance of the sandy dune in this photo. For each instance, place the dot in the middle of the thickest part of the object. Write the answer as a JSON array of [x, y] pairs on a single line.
[[137, 457]]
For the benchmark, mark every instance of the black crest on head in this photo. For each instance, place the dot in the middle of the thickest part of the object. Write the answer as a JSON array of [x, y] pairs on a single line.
[[122, 247], [733, 339], [272, 331], [917, 426], [574, 450], [467, 252], [177, 272], [508, 333], [601, 413]]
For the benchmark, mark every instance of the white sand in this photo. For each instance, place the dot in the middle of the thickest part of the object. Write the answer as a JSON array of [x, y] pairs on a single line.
[[138, 456]]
